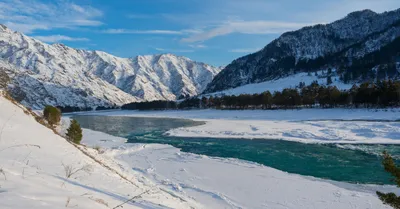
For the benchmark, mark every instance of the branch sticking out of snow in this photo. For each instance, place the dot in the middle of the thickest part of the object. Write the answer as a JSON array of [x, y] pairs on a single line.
[[70, 170]]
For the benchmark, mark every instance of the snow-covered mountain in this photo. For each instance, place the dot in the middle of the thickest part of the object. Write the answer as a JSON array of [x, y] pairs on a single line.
[[154, 77], [59, 75], [353, 47], [36, 90]]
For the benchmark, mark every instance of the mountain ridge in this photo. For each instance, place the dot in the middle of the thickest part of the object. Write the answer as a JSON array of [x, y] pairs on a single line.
[[140, 78], [312, 48]]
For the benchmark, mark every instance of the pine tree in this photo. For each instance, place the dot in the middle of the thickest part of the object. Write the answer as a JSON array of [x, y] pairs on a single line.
[[266, 99], [389, 165], [52, 115], [74, 132], [328, 80], [329, 71], [204, 102]]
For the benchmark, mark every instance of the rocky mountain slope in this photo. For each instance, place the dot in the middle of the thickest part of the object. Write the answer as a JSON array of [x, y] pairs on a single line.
[[36, 90], [361, 46], [59, 75]]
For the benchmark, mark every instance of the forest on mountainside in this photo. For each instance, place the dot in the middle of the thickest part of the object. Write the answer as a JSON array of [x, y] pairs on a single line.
[[381, 94]]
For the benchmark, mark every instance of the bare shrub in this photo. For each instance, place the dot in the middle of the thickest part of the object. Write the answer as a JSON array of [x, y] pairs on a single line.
[[67, 203], [100, 201], [4, 173], [41, 120], [26, 112], [71, 170], [98, 149]]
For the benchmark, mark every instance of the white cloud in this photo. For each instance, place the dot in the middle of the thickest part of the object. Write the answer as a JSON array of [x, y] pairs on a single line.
[[245, 27], [221, 17], [192, 31], [29, 15], [128, 31], [58, 38], [198, 46], [26, 28], [161, 32]]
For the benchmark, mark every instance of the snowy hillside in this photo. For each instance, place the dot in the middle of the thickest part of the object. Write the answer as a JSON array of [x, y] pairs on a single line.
[[33, 162], [362, 46], [280, 84], [59, 75]]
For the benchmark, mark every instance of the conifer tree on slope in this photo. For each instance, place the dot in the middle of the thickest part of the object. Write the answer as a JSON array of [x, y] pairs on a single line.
[[74, 132], [389, 165], [52, 115]]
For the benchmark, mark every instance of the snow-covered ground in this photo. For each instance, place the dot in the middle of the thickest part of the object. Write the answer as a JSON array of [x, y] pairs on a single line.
[[306, 132], [282, 83], [231, 183], [32, 159], [32, 172], [307, 125]]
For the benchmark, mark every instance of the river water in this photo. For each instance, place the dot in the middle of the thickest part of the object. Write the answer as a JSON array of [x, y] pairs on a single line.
[[349, 163]]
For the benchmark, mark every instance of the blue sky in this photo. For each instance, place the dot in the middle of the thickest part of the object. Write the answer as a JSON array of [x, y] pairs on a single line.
[[211, 31]]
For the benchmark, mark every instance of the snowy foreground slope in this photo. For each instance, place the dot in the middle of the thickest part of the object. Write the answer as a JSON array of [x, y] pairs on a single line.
[[231, 183], [32, 158], [306, 125]]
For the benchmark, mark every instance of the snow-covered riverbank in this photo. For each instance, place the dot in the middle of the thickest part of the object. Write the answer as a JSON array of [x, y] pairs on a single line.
[[231, 183], [33, 161], [380, 126]]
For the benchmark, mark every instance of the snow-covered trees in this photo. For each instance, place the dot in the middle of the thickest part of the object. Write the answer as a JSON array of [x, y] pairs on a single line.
[[380, 94]]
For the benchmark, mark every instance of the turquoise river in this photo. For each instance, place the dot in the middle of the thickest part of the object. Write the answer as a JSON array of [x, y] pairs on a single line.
[[349, 163]]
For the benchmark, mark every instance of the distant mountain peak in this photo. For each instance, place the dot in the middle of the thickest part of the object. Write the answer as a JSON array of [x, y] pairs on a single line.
[[3, 27]]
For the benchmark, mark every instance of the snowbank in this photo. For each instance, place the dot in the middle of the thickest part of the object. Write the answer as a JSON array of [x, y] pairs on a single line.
[[32, 172], [354, 132], [232, 183], [367, 126]]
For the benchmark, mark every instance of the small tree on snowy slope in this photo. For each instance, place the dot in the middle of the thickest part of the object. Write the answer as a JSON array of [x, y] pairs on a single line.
[[389, 165], [74, 132], [52, 115]]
